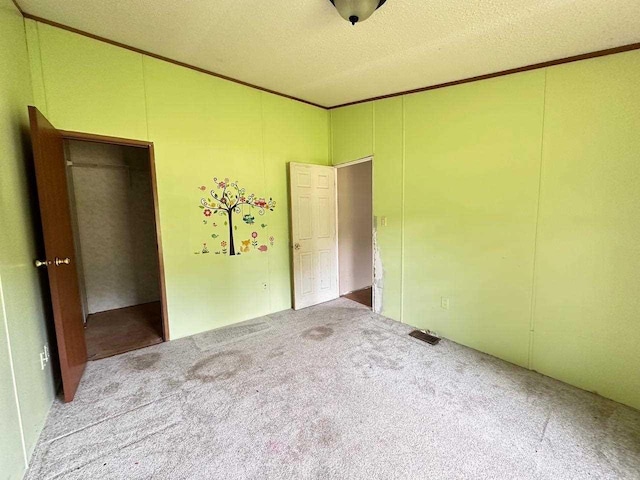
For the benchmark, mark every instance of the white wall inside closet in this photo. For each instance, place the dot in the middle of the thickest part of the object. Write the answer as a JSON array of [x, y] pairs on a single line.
[[115, 236]]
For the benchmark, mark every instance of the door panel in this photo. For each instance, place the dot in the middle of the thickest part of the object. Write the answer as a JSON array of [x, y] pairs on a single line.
[[324, 259], [326, 225], [305, 215], [313, 234], [306, 270], [53, 197]]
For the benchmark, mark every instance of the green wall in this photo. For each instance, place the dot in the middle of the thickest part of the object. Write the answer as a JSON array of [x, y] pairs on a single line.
[[26, 391], [515, 198], [587, 308], [472, 161], [351, 133], [387, 200], [202, 127]]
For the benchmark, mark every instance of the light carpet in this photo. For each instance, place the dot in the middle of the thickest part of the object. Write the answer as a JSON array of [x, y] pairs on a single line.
[[330, 392]]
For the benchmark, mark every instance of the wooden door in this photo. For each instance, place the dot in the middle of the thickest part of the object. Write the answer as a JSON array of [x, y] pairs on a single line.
[[53, 197], [313, 234]]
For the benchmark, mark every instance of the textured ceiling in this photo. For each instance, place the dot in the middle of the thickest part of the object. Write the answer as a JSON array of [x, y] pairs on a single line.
[[304, 49]]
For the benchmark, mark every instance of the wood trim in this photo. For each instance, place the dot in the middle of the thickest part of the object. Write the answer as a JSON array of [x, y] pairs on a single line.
[[165, 59], [156, 209], [18, 7], [354, 162], [535, 66], [127, 142], [91, 137], [550, 63]]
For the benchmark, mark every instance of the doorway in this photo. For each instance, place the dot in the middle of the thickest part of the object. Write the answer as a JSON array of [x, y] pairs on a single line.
[[112, 206], [332, 238], [355, 230]]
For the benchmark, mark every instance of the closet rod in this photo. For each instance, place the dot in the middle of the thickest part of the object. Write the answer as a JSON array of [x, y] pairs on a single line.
[[96, 165]]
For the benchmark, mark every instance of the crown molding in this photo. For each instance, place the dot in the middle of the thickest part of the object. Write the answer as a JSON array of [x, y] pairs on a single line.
[[165, 59], [535, 66]]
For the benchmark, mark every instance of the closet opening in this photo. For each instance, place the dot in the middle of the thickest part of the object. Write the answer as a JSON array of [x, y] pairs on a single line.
[[355, 231], [114, 217]]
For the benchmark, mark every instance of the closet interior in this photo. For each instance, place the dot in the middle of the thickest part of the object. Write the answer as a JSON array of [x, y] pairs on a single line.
[[114, 223]]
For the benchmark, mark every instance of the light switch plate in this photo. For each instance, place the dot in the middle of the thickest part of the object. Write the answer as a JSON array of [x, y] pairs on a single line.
[[444, 303]]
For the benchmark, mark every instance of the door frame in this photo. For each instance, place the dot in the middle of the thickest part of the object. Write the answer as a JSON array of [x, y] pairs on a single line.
[[128, 142], [369, 158]]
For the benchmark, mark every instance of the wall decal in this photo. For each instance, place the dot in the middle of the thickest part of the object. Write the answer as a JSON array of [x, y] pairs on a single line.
[[248, 219], [244, 248], [262, 248], [271, 240], [228, 198]]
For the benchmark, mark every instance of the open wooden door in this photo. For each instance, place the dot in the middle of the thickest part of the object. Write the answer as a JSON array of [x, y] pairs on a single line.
[[53, 197], [313, 234]]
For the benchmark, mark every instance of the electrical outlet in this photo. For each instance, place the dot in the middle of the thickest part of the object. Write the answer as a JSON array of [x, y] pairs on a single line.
[[444, 303], [44, 356], [43, 360], [383, 221]]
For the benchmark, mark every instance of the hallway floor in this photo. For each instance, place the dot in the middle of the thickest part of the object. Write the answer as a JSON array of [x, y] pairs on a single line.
[[363, 296], [123, 330], [329, 392]]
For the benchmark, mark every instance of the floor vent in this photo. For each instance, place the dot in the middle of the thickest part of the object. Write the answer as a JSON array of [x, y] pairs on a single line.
[[425, 337]]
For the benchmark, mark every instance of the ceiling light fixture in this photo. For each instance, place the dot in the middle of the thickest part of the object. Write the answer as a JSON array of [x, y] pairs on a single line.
[[355, 11]]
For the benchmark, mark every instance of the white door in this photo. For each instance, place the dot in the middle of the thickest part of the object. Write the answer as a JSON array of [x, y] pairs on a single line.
[[313, 234]]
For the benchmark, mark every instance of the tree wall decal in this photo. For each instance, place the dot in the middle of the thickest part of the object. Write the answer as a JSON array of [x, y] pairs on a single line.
[[228, 198]]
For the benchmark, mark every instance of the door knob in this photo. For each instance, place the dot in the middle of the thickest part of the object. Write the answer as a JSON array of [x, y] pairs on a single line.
[[41, 263], [61, 261], [297, 246]]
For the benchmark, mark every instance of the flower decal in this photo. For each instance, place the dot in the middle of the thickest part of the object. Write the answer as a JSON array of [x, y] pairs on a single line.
[[222, 183], [229, 199]]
